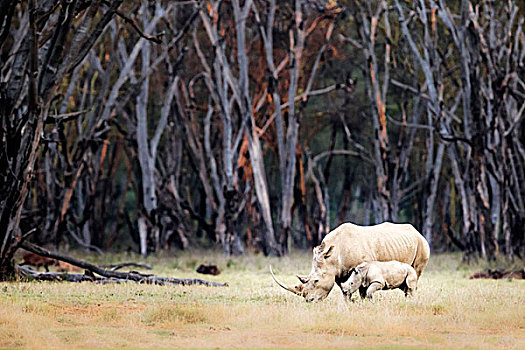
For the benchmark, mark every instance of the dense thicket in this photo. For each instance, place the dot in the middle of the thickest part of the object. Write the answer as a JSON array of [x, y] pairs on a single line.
[[260, 125]]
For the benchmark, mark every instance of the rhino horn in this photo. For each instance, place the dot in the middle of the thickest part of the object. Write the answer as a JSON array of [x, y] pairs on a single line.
[[282, 284], [303, 279]]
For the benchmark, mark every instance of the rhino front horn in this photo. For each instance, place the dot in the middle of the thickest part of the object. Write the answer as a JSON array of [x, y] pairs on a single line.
[[284, 286]]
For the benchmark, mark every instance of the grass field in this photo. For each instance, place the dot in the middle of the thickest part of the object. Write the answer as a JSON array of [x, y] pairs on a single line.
[[449, 311]]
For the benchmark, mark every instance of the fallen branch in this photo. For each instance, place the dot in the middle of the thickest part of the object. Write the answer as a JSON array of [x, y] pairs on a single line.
[[115, 267], [53, 276], [65, 277], [109, 274], [499, 274]]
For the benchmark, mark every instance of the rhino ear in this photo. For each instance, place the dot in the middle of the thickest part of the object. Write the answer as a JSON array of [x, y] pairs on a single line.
[[302, 279], [326, 254], [319, 248]]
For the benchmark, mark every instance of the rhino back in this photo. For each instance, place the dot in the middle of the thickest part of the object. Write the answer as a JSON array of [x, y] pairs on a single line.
[[384, 242]]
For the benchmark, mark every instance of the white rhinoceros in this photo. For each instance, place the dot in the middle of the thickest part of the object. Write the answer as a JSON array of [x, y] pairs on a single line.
[[349, 245]]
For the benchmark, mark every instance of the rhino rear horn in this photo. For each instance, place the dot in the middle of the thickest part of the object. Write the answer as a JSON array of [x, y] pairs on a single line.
[[284, 286]]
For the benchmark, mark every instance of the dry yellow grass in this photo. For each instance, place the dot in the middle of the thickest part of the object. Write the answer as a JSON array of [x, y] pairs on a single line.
[[449, 311]]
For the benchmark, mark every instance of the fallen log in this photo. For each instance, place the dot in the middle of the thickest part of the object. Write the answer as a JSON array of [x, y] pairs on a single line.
[[115, 267], [133, 276], [53, 276], [499, 274], [66, 277]]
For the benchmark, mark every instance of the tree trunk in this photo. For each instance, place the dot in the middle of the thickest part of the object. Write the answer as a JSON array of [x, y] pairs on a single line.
[[431, 198], [23, 161]]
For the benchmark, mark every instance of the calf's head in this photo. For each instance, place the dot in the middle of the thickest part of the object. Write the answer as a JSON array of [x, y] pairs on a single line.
[[354, 281], [318, 284]]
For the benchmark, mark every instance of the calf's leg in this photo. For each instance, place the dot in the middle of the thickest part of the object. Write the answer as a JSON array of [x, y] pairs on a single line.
[[362, 292], [374, 287]]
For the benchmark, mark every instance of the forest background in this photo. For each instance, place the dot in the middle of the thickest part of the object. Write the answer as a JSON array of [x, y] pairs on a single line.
[[260, 125]]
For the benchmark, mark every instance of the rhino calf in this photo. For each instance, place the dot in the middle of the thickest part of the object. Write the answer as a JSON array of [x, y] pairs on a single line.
[[370, 277]]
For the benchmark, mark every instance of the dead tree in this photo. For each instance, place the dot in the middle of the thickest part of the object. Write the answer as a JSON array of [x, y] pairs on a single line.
[[146, 148], [426, 56], [230, 94], [56, 41], [303, 23], [377, 94], [391, 156], [488, 164], [480, 73]]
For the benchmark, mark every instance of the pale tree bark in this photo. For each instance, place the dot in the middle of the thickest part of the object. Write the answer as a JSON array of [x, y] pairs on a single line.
[[189, 123], [223, 81], [297, 40], [287, 140], [147, 149], [320, 179], [377, 95], [433, 82], [223, 178], [393, 139], [147, 166]]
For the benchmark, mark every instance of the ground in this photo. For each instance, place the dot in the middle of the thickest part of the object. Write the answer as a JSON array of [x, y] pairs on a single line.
[[449, 311]]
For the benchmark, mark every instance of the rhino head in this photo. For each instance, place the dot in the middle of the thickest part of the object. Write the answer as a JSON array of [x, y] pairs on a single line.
[[317, 285]]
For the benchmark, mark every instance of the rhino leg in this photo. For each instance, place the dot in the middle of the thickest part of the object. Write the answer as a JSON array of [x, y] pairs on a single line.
[[410, 284], [362, 292], [348, 296], [422, 256], [374, 287]]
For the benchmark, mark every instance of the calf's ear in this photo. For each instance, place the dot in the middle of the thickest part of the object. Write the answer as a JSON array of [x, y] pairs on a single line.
[[358, 270], [362, 268]]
